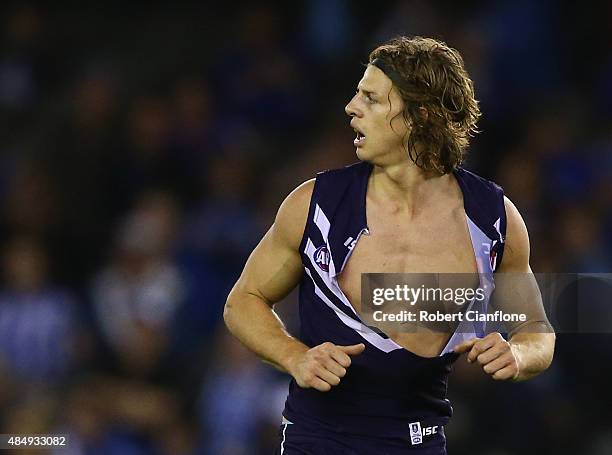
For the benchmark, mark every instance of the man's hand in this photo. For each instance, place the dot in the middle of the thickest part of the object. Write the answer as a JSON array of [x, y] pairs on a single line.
[[494, 354], [323, 366]]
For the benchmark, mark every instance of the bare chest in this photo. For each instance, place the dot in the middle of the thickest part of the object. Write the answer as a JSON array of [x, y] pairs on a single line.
[[436, 244]]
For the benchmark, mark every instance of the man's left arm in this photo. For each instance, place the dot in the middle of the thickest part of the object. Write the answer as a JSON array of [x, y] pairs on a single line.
[[527, 353]]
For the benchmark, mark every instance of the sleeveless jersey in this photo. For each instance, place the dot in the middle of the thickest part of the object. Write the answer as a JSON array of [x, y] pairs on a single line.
[[387, 387]]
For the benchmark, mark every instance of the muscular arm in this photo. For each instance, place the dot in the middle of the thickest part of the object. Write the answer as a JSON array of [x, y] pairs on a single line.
[[273, 269], [531, 345], [271, 272]]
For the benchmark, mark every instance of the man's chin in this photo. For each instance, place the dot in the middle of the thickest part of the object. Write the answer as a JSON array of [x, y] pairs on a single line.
[[366, 155], [362, 154]]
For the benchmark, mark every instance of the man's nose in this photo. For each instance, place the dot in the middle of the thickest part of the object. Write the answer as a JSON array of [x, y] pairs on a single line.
[[351, 110]]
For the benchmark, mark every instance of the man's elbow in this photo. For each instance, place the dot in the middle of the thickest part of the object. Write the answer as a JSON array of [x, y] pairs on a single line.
[[547, 352], [534, 352], [229, 310], [550, 340]]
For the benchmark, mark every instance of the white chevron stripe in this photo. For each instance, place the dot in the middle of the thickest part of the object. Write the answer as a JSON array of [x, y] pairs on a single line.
[[322, 222], [384, 344]]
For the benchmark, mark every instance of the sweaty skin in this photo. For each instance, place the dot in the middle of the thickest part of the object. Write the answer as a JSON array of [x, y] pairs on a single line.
[[417, 224]]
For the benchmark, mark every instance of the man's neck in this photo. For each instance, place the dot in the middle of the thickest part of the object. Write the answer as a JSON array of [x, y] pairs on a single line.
[[406, 188]]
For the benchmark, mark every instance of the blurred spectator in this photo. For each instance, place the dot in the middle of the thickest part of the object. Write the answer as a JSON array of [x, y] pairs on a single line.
[[581, 234], [18, 87], [38, 321], [260, 76], [225, 227], [241, 401], [30, 204], [112, 415], [80, 148], [328, 27], [193, 113], [137, 296]]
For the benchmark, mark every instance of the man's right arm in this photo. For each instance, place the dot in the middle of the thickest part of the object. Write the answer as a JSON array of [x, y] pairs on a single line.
[[274, 269]]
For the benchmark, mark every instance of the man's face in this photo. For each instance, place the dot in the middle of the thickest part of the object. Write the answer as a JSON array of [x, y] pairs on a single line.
[[376, 111]]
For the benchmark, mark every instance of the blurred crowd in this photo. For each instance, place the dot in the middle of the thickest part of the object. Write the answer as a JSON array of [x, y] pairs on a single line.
[[144, 152]]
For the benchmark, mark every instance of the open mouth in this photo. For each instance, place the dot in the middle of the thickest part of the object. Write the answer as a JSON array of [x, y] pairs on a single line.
[[360, 139]]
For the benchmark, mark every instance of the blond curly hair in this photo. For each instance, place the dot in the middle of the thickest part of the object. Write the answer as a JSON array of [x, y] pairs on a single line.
[[440, 107]]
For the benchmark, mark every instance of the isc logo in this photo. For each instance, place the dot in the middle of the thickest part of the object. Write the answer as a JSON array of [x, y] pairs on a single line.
[[417, 433]]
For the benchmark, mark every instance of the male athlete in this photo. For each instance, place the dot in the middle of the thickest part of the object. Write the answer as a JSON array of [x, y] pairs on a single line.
[[407, 206]]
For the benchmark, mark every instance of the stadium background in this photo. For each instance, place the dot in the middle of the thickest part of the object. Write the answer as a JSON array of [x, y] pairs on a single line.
[[144, 151]]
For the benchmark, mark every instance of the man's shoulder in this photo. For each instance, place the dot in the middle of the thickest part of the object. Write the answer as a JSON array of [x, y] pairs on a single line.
[[291, 217], [298, 200], [327, 191]]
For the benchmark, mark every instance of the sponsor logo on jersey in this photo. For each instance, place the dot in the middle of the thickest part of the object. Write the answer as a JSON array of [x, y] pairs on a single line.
[[321, 258], [417, 432]]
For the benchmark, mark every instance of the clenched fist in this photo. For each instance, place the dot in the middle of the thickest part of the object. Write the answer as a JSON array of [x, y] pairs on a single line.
[[494, 353], [323, 366]]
